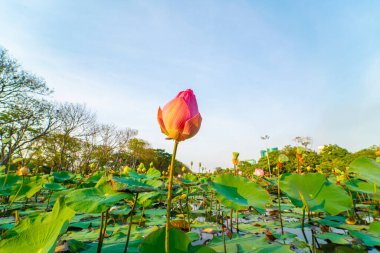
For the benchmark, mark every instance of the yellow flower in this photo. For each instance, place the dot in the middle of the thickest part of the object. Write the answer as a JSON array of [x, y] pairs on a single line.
[[23, 171]]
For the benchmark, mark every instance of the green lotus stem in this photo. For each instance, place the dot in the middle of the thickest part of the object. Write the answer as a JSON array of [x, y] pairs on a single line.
[[231, 214], [303, 230], [100, 234], [168, 207], [142, 215], [48, 202], [130, 222], [279, 200], [237, 221], [187, 206], [17, 218], [212, 196], [316, 239], [105, 226], [19, 189], [224, 238], [303, 218]]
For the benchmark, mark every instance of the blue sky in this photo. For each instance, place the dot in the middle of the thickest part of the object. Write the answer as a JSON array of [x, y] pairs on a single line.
[[282, 68]]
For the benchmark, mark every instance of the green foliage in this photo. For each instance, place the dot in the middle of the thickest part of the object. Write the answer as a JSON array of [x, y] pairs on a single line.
[[94, 200], [179, 242], [38, 234], [366, 169], [238, 193], [315, 193]]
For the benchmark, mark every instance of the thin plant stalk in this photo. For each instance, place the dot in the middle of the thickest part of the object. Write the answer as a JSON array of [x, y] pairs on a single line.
[[303, 219], [212, 196], [187, 206], [48, 202], [303, 229], [130, 222], [100, 234], [17, 218], [142, 215], [279, 200], [19, 189], [237, 221], [104, 227], [231, 214], [170, 197], [224, 237]]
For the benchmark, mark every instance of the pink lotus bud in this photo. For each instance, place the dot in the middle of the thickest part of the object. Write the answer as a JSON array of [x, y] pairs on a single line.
[[259, 172], [180, 118]]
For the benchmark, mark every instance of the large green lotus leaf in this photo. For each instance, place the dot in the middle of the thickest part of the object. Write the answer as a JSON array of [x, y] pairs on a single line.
[[189, 180], [179, 242], [153, 174], [84, 235], [6, 189], [94, 200], [134, 185], [332, 199], [307, 185], [200, 249], [318, 193], [358, 185], [155, 212], [38, 234], [62, 176], [30, 187], [155, 242], [238, 193], [54, 187], [368, 239], [248, 244], [374, 227], [366, 169], [335, 238], [146, 199], [93, 180]]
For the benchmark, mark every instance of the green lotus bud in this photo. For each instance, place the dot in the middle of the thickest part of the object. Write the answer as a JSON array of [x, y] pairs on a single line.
[[283, 158]]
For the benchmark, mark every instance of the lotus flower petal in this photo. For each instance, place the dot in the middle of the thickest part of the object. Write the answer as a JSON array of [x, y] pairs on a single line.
[[180, 119], [191, 127]]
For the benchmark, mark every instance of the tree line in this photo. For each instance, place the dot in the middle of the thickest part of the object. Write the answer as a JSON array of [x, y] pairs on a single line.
[[45, 135], [330, 159]]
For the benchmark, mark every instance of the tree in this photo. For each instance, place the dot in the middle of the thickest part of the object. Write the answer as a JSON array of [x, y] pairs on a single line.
[[25, 115], [74, 120], [17, 84], [139, 151], [333, 157], [23, 123]]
